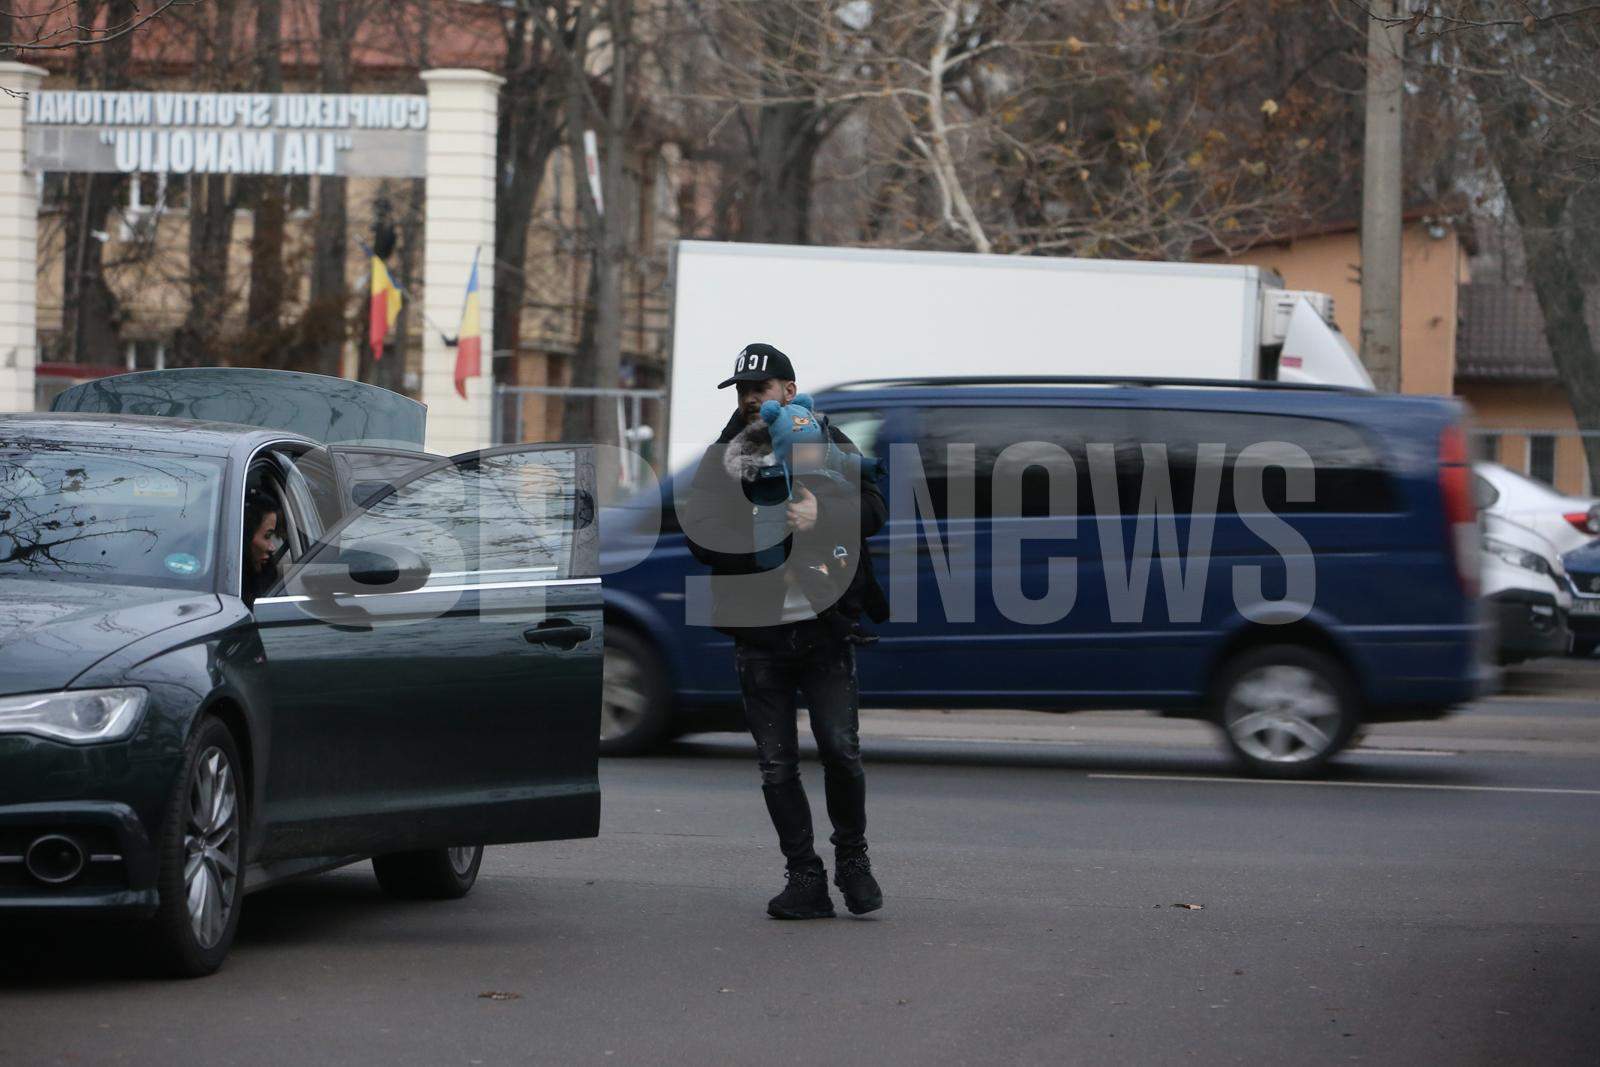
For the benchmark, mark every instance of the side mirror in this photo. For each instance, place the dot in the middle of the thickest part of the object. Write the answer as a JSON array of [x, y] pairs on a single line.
[[371, 567]]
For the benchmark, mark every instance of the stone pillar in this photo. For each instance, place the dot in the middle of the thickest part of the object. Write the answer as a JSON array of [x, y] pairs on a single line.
[[463, 108], [19, 242]]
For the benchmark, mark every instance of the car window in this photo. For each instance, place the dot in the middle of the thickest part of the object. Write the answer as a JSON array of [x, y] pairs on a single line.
[[124, 518], [314, 486], [500, 515], [1349, 473], [368, 473], [861, 427], [1485, 495]]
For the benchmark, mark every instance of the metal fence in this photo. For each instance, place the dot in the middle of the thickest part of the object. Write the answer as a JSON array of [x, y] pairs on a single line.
[[1554, 456], [635, 433]]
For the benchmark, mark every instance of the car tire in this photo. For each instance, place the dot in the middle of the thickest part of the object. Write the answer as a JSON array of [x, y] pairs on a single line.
[[636, 704], [1584, 646], [1286, 710], [202, 836], [432, 874]]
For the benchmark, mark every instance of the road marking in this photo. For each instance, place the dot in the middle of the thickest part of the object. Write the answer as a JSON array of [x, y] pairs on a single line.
[[1358, 785], [971, 740]]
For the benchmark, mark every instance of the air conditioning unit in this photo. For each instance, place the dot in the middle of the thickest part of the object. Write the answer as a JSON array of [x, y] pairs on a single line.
[[1278, 304]]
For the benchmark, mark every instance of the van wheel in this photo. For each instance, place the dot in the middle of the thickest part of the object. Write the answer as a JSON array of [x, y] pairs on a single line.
[[635, 706], [433, 874], [1286, 710]]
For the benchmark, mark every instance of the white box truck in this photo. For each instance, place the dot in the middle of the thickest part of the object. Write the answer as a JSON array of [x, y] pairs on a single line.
[[845, 314]]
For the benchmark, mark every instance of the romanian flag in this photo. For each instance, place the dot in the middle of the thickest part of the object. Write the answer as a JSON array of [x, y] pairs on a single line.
[[469, 341], [386, 303]]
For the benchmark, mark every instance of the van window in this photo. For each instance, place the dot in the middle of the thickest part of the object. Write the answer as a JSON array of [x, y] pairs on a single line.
[[991, 430], [1349, 475], [860, 426]]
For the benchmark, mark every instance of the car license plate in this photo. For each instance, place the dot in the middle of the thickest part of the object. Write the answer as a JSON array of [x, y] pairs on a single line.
[[1586, 607]]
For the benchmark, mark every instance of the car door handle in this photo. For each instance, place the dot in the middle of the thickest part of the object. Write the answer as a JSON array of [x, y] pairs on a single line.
[[563, 633]]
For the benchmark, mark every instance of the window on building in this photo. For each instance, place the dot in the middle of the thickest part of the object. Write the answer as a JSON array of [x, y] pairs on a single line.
[[147, 196], [1486, 447], [145, 191], [297, 192], [1542, 458], [52, 190]]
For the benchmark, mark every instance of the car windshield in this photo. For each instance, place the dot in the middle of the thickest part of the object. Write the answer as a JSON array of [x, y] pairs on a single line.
[[147, 519]]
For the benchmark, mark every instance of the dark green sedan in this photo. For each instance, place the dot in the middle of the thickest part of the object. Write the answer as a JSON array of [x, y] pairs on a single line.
[[232, 655]]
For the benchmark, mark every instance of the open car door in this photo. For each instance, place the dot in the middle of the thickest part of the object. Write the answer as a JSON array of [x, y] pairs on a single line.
[[435, 664]]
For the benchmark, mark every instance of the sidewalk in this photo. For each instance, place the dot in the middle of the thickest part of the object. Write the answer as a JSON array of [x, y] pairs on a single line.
[[1566, 676], [1513, 725]]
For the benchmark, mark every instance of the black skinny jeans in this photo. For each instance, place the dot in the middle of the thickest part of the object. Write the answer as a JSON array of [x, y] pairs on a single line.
[[825, 672]]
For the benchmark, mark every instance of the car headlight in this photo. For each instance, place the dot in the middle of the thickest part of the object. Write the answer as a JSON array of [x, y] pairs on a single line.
[[1518, 557], [79, 716]]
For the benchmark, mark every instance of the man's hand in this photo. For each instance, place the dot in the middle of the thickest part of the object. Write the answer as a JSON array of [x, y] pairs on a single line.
[[802, 510]]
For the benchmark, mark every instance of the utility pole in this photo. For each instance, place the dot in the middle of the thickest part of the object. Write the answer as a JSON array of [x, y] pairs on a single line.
[[1382, 195]]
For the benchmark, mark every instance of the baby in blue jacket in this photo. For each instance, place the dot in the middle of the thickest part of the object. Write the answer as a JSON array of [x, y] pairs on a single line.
[[802, 447]]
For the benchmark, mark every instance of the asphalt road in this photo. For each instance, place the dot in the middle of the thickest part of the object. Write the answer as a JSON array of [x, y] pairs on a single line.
[[1435, 901]]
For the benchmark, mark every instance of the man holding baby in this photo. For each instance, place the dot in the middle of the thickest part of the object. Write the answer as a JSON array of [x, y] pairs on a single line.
[[779, 510]]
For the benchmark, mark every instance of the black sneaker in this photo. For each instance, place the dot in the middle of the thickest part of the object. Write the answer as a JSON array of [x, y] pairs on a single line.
[[854, 878], [805, 897]]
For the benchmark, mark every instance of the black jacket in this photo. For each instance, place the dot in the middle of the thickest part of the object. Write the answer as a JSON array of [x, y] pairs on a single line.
[[720, 506]]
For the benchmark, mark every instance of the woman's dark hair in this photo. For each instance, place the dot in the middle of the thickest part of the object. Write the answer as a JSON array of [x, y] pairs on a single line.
[[258, 504]]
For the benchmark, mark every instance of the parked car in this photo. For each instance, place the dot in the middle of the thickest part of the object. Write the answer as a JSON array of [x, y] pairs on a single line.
[[1525, 588], [1583, 578], [1392, 630], [1567, 522], [167, 747]]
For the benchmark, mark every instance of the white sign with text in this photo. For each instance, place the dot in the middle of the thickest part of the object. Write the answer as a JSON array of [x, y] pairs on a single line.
[[228, 133]]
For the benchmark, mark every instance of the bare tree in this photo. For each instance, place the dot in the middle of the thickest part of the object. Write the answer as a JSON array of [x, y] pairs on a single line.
[[531, 126], [1532, 71], [267, 282], [91, 310], [212, 201], [31, 29], [1030, 126], [328, 314]]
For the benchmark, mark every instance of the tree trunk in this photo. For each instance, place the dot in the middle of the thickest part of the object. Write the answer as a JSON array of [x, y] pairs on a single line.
[[266, 194], [599, 365], [330, 294], [612, 253], [210, 233], [779, 209], [577, 412], [530, 129], [90, 309], [1539, 192], [210, 211]]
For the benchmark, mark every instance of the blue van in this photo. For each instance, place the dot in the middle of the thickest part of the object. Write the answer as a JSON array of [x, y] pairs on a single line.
[[1288, 605]]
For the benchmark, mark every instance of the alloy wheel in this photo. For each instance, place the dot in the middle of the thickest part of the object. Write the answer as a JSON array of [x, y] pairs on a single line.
[[623, 700], [1283, 714], [211, 847], [461, 859]]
